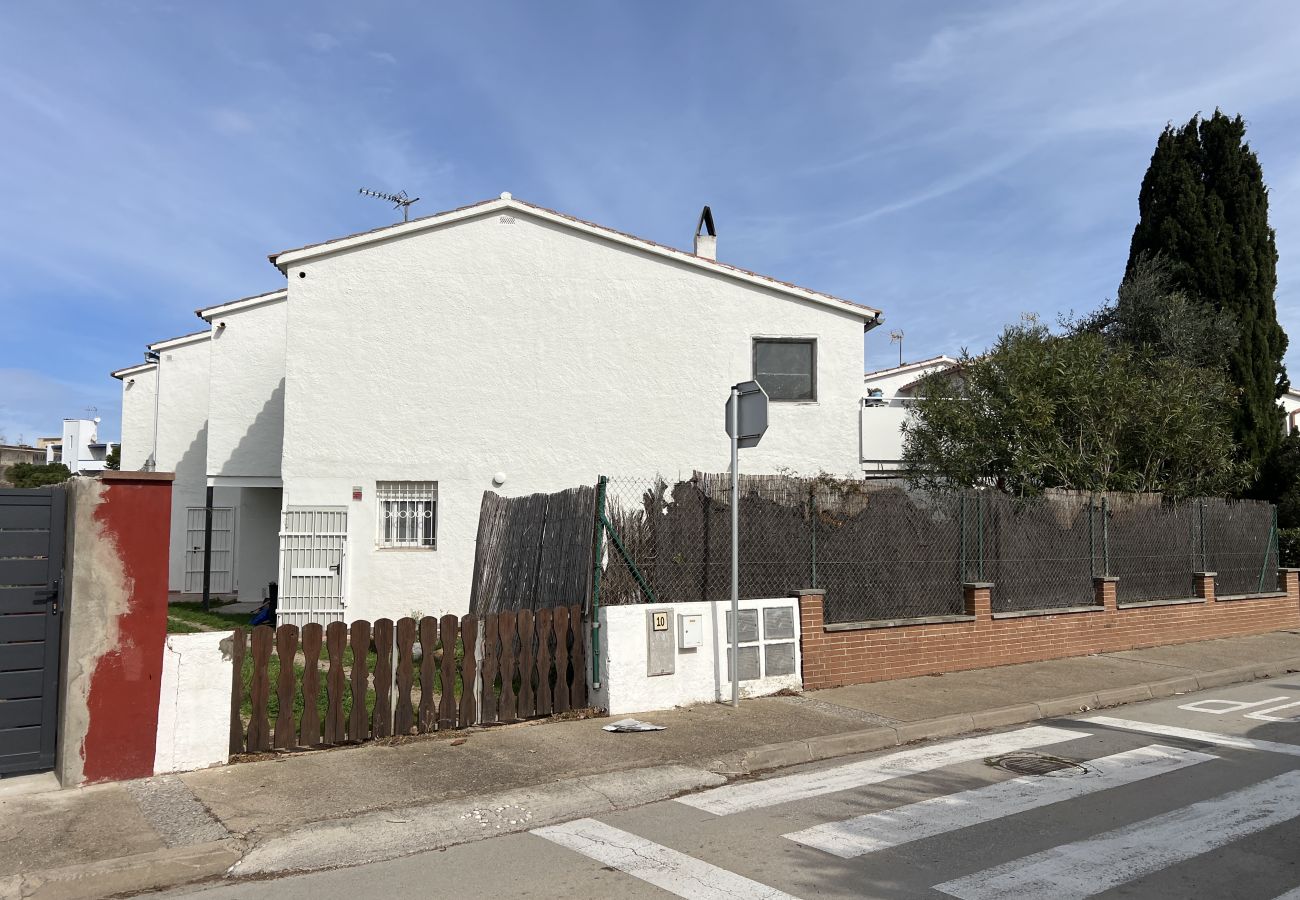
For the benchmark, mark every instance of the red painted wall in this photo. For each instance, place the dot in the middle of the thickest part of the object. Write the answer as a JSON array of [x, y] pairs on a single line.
[[135, 513]]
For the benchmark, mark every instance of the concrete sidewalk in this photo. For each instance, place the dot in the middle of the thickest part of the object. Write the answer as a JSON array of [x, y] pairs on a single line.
[[345, 806]]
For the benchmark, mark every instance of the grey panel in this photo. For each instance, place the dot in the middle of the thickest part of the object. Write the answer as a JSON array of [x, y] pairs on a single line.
[[661, 644], [16, 657], [22, 599], [748, 663], [24, 571], [29, 627], [24, 543], [778, 623], [25, 516], [748, 626], [19, 741], [778, 659], [15, 713], [20, 685]]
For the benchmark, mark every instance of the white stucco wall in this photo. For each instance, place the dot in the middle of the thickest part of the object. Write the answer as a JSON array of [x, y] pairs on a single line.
[[138, 391], [182, 442], [528, 349], [194, 702], [625, 685], [246, 408], [258, 540]]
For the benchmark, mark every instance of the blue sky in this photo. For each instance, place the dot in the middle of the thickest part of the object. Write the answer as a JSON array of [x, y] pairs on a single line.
[[953, 164]]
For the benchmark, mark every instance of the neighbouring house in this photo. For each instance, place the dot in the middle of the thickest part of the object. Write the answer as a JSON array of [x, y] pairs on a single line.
[[1291, 408], [80, 448], [350, 422], [13, 454], [887, 394]]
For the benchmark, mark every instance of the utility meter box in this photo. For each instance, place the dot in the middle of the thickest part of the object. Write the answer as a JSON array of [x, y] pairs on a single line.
[[661, 656], [690, 632]]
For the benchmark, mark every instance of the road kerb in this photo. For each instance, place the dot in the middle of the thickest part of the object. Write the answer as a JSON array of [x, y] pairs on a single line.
[[128, 874], [830, 746], [1066, 706]]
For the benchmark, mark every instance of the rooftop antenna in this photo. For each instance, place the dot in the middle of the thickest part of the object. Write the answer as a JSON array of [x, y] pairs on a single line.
[[398, 200], [896, 337]]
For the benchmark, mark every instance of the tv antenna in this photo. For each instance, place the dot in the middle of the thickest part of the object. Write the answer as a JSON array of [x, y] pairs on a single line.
[[398, 200], [896, 337]]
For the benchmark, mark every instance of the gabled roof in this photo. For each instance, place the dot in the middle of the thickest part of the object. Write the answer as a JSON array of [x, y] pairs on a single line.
[[242, 303], [286, 258], [907, 367], [133, 370]]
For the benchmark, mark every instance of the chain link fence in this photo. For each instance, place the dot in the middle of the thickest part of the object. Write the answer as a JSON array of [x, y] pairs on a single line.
[[884, 552]]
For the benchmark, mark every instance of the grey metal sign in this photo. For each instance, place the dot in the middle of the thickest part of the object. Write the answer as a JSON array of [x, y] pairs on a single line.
[[751, 413]]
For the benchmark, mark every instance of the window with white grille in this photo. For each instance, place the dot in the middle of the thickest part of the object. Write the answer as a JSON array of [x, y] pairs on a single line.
[[408, 513]]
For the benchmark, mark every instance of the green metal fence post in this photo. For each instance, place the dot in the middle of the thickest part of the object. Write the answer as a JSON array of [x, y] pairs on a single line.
[[812, 501], [962, 515], [1269, 548], [1105, 536], [598, 566]]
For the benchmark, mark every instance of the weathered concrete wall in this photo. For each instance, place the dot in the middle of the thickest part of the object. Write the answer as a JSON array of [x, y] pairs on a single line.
[[697, 678], [194, 702], [114, 625]]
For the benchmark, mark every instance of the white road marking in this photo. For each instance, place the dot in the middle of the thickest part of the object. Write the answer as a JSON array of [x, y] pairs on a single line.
[[1219, 707], [655, 864], [1090, 866], [734, 798], [1289, 895], [1192, 734], [939, 815], [1263, 714]]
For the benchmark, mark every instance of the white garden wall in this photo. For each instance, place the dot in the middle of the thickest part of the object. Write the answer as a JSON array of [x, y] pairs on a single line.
[[701, 674], [194, 702], [510, 344]]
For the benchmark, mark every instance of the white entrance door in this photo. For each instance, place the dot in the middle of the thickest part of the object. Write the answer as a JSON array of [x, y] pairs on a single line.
[[223, 550], [313, 550]]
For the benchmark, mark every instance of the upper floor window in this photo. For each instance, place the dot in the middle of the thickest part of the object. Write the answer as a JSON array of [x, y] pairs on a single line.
[[408, 513], [786, 368]]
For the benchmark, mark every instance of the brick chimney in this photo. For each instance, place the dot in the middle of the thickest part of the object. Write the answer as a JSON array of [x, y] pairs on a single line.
[[706, 237]]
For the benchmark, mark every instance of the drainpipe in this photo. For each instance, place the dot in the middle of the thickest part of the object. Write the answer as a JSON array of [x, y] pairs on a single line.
[[156, 358], [207, 551]]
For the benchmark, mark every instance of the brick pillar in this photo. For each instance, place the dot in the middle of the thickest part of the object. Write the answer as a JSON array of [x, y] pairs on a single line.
[[812, 637], [1288, 580], [1204, 582], [1104, 589], [978, 596]]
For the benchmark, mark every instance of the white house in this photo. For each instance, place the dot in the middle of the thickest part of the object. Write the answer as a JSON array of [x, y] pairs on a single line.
[[887, 395], [362, 412], [1291, 407], [80, 448]]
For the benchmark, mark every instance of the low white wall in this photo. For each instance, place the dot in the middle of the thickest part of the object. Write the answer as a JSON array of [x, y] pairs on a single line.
[[194, 702], [626, 685]]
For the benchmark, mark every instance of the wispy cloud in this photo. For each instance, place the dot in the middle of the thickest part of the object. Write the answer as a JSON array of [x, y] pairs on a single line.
[[322, 41]]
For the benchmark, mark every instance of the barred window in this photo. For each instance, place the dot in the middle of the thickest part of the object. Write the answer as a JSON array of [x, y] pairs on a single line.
[[408, 513]]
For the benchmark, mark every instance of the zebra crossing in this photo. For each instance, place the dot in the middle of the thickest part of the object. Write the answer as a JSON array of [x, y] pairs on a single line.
[[1077, 867]]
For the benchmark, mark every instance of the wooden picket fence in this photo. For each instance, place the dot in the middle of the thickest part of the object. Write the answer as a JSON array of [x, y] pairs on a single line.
[[473, 670]]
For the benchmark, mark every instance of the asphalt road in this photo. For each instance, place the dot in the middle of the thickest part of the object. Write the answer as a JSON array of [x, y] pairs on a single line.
[[1189, 797]]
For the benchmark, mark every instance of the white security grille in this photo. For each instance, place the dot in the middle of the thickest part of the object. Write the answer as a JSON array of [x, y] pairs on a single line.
[[223, 549], [408, 513], [313, 553]]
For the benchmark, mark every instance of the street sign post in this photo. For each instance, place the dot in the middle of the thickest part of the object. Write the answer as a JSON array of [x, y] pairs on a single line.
[[746, 423]]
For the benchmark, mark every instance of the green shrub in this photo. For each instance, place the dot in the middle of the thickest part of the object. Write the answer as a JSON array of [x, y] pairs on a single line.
[[1288, 547]]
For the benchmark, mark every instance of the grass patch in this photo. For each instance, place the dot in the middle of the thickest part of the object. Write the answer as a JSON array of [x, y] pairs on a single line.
[[176, 626], [192, 613]]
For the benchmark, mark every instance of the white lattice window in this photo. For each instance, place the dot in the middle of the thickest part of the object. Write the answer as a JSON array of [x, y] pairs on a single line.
[[408, 513]]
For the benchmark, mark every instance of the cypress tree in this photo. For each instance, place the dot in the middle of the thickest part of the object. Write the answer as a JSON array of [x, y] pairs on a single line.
[[1204, 208]]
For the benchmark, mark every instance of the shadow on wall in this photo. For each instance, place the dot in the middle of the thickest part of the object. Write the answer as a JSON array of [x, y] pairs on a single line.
[[251, 455]]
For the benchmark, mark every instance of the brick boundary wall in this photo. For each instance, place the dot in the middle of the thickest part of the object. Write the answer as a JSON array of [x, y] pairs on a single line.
[[879, 651]]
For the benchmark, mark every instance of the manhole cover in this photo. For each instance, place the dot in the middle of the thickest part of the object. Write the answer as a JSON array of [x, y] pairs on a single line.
[[1036, 764]]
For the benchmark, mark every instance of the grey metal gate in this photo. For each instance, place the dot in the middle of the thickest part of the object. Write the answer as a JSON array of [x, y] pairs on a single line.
[[31, 574]]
